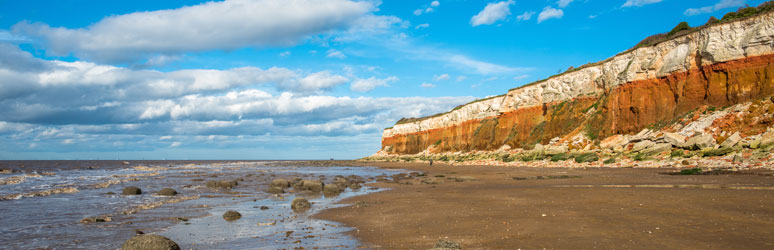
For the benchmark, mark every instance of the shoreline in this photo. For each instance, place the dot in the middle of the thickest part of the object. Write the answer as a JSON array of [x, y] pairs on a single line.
[[499, 207]]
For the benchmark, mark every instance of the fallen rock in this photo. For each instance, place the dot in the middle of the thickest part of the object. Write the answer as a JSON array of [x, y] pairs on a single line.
[[331, 190], [587, 157], [731, 140], [614, 141], [280, 183], [275, 190], [553, 150], [131, 191], [700, 142], [167, 192], [231, 215], [150, 242], [675, 139], [658, 148], [639, 146], [766, 139], [446, 245], [300, 204]]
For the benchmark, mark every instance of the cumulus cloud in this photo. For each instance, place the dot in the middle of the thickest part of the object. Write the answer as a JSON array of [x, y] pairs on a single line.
[[563, 3], [332, 53], [365, 85], [429, 9], [492, 13], [427, 85], [422, 26], [639, 3], [549, 13], [441, 77], [216, 25], [722, 4], [526, 16]]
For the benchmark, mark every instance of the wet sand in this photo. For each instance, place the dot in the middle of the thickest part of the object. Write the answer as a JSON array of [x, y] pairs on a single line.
[[561, 208]]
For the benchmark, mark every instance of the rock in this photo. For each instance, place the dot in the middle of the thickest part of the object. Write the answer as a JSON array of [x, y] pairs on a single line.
[[275, 190], [686, 162], [331, 190], [553, 150], [538, 149], [587, 157], [309, 185], [700, 142], [738, 159], [300, 204], [446, 245], [639, 146], [675, 139], [280, 183], [131, 191], [355, 186], [614, 141], [642, 135], [222, 184], [731, 140], [97, 219], [231, 215], [658, 148], [766, 139], [167, 192], [150, 242], [264, 208]]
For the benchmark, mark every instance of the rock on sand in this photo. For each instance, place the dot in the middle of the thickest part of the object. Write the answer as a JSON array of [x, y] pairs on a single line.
[[150, 242], [131, 191], [300, 204], [167, 192], [231, 215]]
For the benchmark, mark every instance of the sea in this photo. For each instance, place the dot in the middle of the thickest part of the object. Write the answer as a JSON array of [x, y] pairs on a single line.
[[80, 205]]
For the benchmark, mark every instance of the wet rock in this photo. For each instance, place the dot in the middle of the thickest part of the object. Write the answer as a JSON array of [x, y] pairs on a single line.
[[275, 190], [309, 185], [264, 208], [97, 219], [300, 204], [167, 192], [280, 183], [150, 242], [331, 190], [110, 193], [355, 186], [131, 191], [731, 140], [231, 215], [446, 245], [222, 184]]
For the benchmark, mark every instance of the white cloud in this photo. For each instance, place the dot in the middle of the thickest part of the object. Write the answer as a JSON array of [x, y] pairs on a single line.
[[480, 66], [284, 54], [563, 3], [549, 13], [422, 26], [226, 25], [418, 12], [435, 3], [427, 85], [492, 13], [335, 54], [441, 77], [365, 85], [520, 77], [322, 80], [592, 16], [639, 3], [461, 78], [526, 16], [722, 4]]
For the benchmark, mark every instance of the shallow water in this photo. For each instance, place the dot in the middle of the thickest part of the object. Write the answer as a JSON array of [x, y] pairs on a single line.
[[35, 215]]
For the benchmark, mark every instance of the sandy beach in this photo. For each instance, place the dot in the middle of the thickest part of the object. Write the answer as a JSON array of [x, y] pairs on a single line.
[[493, 207]]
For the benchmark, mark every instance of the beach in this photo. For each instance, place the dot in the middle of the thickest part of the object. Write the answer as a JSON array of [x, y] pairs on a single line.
[[495, 207]]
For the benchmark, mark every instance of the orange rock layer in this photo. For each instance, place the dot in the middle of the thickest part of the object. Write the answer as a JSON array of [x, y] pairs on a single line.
[[627, 108]]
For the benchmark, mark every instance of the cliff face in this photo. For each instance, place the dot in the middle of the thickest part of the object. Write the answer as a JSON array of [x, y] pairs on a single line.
[[717, 66]]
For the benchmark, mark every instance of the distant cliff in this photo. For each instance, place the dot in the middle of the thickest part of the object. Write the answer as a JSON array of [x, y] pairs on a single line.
[[655, 86]]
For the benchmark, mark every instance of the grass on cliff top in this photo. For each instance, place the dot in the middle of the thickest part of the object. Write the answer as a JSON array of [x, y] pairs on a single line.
[[680, 30]]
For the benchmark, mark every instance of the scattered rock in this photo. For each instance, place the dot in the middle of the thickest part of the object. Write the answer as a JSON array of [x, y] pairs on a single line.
[[587, 157], [331, 190], [355, 186], [552, 150], [657, 148], [731, 140], [639, 146], [766, 139], [275, 190], [700, 142], [264, 208], [167, 192], [231, 215], [280, 183], [150, 242], [222, 184], [446, 245], [738, 159], [686, 162], [614, 141], [97, 219], [309, 185], [675, 139], [131, 191], [300, 204]]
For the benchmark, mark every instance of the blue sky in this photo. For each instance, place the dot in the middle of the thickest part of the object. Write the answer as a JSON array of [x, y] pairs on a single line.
[[283, 79]]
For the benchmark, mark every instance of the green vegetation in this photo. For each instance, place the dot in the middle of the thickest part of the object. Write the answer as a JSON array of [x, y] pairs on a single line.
[[640, 157], [587, 157], [676, 153], [437, 143], [609, 161], [560, 157], [717, 152], [693, 171], [682, 26]]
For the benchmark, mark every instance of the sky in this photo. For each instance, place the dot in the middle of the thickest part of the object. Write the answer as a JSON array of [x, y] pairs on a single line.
[[283, 79]]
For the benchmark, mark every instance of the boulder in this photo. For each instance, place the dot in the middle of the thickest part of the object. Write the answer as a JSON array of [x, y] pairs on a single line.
[[658, 148], [331, 190], [700, 142], [675, 139], [150, 242], [554, 150], [613, 141], [222, 184], [275, 190], [766, 139], [731, 140], [231, 215], [167, 192], [639, 146], [300, 204], [131, 191], [309, 185], [538, 149], [355, 186], [280, 183]]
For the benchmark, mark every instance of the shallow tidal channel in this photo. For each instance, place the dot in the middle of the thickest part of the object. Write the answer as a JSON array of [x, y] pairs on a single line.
[[59, 206]]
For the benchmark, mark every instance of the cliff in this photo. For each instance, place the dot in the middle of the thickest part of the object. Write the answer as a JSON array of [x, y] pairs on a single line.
[[667, 87]]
